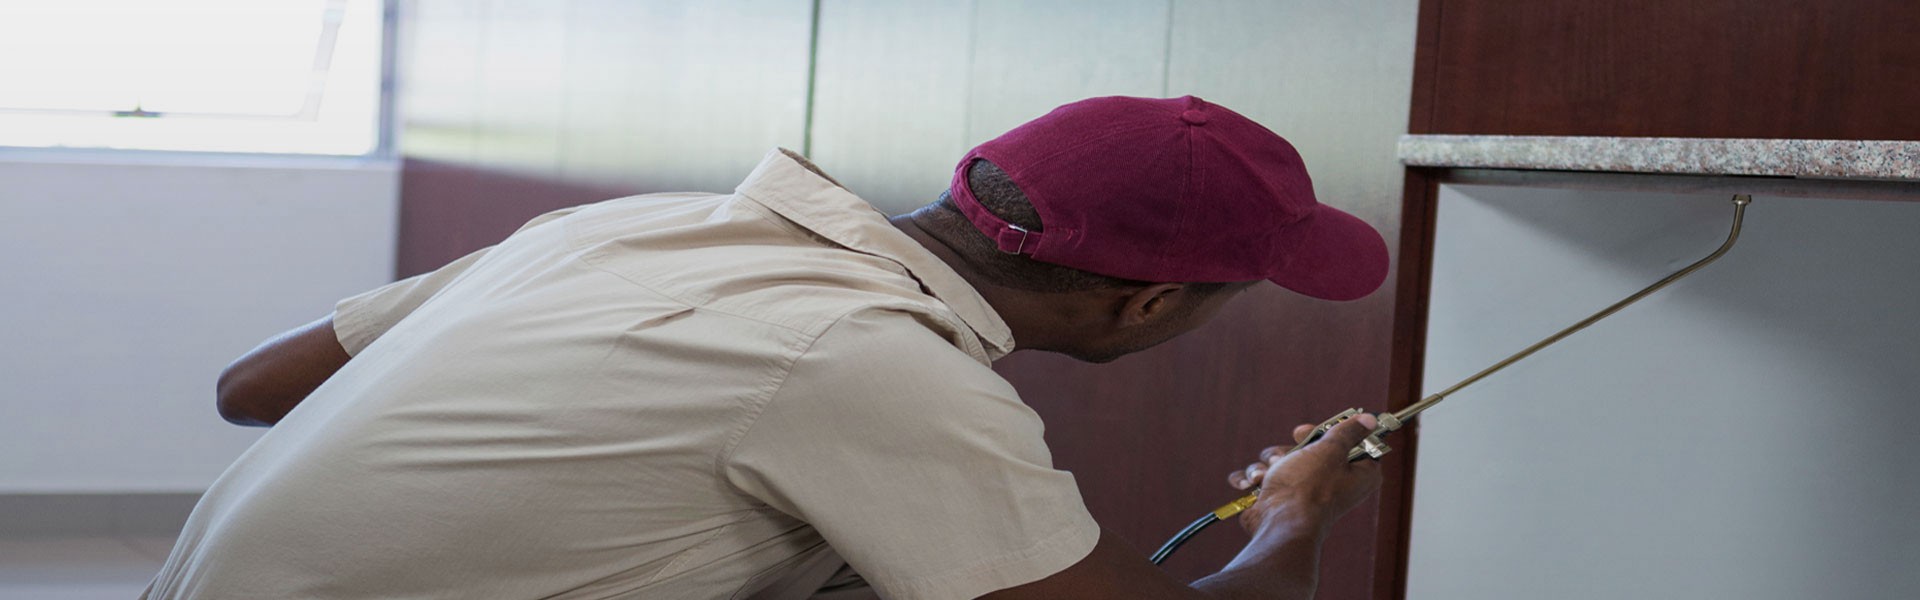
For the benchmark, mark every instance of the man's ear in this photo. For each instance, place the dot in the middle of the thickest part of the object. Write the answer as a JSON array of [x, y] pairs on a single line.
[[1143, 304]]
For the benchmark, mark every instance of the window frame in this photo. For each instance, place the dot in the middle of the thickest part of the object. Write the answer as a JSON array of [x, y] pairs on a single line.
[[385, 149]]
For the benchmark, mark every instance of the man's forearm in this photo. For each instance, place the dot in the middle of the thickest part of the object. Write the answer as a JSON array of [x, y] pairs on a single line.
[[1282, 561], [266, 383]]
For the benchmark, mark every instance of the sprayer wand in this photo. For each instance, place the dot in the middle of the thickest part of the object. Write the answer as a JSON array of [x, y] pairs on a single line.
[[1373, 447]]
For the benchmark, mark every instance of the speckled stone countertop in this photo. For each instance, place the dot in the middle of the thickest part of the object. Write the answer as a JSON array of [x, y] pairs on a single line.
[[1845, 159]]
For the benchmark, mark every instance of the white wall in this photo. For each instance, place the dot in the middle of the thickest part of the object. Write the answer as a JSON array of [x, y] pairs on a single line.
[[1742, 434], [125, 288]]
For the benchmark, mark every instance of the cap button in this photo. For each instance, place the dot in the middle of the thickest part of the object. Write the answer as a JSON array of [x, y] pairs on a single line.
[[1194, 117]]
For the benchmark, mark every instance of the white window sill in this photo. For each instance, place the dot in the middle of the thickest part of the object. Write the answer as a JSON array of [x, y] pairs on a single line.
[[113, 157]]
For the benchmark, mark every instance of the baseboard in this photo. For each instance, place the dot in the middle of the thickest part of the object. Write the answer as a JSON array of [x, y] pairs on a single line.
[[94, 515]]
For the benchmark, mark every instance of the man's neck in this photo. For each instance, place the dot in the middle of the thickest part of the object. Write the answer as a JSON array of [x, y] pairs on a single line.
[[1013, 306]]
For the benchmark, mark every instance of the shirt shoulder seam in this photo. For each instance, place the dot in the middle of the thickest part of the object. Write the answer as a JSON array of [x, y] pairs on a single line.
[[705, 306]]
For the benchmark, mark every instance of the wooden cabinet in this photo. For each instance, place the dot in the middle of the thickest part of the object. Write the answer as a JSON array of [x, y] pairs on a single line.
[[1841, 69], [1764, 70]]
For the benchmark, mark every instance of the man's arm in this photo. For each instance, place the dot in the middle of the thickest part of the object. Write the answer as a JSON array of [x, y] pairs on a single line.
[[263, 385], [1302, 494], [266, 383]]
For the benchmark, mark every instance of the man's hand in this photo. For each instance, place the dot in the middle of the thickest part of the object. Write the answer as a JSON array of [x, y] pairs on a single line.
[[1302, 492], [1314, 483]]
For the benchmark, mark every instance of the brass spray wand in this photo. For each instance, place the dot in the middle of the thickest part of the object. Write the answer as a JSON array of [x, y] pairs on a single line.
[[1372, 447]]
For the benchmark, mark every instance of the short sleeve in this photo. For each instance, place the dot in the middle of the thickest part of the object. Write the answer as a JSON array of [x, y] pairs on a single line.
[[917, 463], [361, 319]]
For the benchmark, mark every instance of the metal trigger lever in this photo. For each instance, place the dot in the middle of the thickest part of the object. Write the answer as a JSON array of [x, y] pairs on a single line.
[[1373, 447]]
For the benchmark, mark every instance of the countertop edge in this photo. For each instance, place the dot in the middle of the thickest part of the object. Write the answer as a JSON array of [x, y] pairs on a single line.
[[1834, 159]]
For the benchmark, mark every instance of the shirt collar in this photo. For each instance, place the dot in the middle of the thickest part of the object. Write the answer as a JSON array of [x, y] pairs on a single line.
[[799, 191]]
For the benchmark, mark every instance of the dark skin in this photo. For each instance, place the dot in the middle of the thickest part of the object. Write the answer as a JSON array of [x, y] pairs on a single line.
[[1303, 491], [264, 384]]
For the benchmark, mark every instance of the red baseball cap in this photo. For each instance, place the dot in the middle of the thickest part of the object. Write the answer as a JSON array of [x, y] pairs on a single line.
[[1173, 190]]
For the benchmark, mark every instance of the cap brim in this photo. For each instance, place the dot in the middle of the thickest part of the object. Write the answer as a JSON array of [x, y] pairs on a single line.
[[1331, 255]]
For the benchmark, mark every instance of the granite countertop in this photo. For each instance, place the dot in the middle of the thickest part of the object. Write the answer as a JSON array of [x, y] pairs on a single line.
[[1839, 159]]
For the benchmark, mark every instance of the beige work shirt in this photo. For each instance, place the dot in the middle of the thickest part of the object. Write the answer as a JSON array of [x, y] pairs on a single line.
[[662, 396]]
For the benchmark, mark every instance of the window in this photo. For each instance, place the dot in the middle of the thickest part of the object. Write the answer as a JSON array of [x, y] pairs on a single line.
[[273, 76]]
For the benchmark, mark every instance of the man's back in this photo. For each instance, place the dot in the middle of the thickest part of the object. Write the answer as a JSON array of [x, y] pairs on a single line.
[[558, 416]]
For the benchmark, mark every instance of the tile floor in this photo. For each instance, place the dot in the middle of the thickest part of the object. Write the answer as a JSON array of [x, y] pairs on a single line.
[[85, 546], [79, 568]]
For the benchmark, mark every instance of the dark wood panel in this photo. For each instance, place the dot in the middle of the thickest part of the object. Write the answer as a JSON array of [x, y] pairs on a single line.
[[1426, 62], [448, 209], [1407, 361], [1407, 353], [1151, 437], [1844, 69]]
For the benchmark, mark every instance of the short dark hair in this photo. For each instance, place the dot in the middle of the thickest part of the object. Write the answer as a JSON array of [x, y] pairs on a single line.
[[997, 192]]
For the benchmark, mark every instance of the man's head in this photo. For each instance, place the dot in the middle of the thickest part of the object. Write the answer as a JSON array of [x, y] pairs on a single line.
[[1086, 315], [1113, 224]]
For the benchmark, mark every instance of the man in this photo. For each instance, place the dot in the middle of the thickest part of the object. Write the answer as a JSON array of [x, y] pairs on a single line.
[[779, 392]]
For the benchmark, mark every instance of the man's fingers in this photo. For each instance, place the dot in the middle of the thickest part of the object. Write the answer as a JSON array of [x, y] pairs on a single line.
[[1273, 453], [1249, 477], [1348, 433]]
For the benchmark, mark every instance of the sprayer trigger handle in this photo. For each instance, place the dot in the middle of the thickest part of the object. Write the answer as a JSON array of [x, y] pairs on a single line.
[[1371, 447]]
